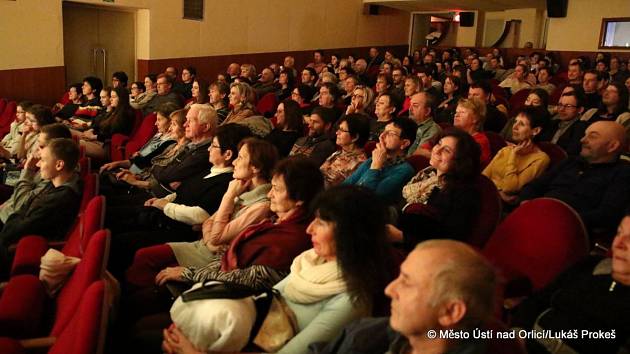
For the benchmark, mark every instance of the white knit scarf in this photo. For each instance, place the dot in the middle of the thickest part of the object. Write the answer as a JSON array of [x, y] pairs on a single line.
[[313, 279]]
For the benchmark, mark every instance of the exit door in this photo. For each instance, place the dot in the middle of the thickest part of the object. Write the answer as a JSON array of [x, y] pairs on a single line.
[[97, 42]]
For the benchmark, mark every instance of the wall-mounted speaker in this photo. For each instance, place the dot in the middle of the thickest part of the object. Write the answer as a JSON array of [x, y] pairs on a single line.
[[557, 8], [466, 19], [371, 9]]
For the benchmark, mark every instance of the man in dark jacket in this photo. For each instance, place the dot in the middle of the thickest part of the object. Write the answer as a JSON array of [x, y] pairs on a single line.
[[596, 184], [51, 212]]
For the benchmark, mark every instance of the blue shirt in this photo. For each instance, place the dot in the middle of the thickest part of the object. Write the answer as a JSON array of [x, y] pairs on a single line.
[[386, 182]]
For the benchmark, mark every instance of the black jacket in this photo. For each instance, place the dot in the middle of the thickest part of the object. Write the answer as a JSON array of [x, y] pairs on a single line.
[[50, 213], [598, 192], [190, 161]]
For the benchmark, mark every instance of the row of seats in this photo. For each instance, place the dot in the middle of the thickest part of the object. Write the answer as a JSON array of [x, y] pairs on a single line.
[[75, 321]]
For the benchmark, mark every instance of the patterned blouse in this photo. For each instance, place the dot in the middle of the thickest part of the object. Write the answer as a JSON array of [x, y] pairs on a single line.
[[419, 189], [340, 165]]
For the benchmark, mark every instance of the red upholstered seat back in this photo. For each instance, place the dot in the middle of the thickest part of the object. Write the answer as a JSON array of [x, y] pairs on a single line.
[[556, 153], [81, 335], [3, 104], [267, 104], [518, 100], [538, 240], [7, 117], [90, 221], [145, 131], [496, 142], [418, 162], [90, 269], [489, 214]]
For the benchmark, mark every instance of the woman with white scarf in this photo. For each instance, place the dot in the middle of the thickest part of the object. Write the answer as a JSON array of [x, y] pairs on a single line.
[[337, 280]]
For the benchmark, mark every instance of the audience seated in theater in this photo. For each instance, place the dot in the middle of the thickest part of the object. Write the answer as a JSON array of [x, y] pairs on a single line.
[[362, 101], [289, 127], [159, 142], [245, 203], [137, 88], [426, 73], [10, 142], [197, 198], [120, 79], [592, 295], [91, 88], [317, 145], [614, 106], [233, 71], [218, 99], [383, 84], [120, 120], [593, 82], [258, 258], [31, 183], [186, 158], [189, 75], [595, 183], [385, 111], [360, 68], [495, 114], [52, 210], [164, 94], [303, 94], [566, 128], [445, 111], [615, 72], [517, 80], [318, 61], [537, 98], [241, 99], [286, 84], [421, 111], [150, 90], [386, 171], [37, 116], [476, 73], [517, 164], [173, 73], [328, 96], [443, 199], [75, 98], [333, 283], [544, 74], [443, 285], [412, 86], [135, 188], [200, 94], [575, 73], [398, 83], [266, 84], [309, 77], [469, 117], [346, 85], [496, 69], [352, 134]]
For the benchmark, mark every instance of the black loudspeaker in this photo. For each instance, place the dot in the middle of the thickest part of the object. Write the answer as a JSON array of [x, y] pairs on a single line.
[[557, 8], [466, 19], [373, 9]]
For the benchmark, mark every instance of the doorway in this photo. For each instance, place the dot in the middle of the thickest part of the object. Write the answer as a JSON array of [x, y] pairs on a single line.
[[97, 42]]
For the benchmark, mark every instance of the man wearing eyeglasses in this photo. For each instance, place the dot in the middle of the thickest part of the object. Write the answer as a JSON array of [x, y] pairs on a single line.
[[387, 171], [567, 129]]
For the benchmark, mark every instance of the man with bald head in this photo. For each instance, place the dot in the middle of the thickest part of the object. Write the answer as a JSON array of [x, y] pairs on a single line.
[[443, 285], [595, 183], [233, 71]]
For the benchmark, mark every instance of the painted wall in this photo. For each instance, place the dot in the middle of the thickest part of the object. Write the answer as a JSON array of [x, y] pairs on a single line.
[[30, 34], [31, 30], [467, 36], [531, 23], [579, 31]]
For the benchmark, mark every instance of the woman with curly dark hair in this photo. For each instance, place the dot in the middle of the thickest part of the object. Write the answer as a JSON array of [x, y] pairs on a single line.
[[289, 127], [443, 199]]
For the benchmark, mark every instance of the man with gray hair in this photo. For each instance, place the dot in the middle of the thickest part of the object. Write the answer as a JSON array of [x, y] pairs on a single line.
[[444, 286]]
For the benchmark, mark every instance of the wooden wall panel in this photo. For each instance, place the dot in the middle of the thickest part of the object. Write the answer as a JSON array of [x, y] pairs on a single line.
[[40, 85]]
